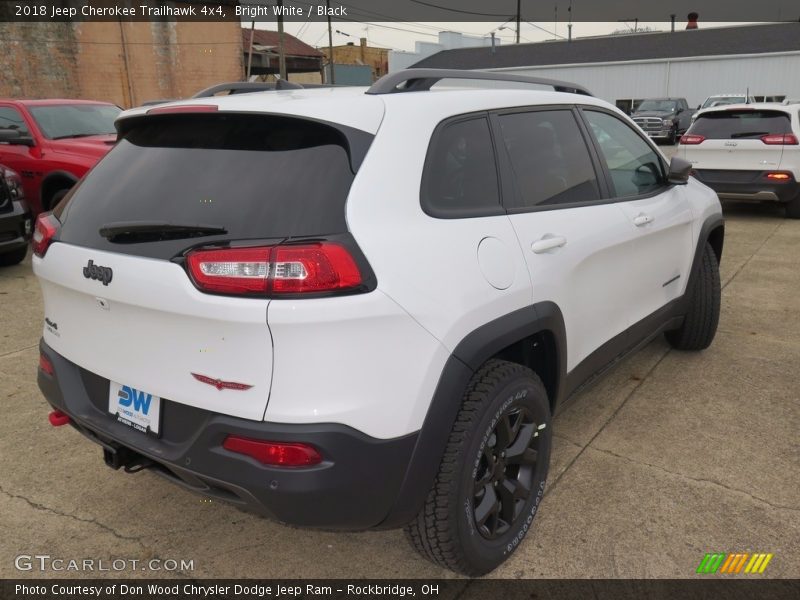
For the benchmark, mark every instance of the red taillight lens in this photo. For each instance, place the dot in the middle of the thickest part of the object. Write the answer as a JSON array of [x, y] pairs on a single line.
[[278, 454], [45, 365], [58, 418], [780, 139], [320, 267], [46, 227], [275, 270], [779, 176], [692, 139], [240, 271]]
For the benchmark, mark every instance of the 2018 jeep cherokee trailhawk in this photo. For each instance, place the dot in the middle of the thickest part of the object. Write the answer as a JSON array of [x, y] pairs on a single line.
[[351, 309]]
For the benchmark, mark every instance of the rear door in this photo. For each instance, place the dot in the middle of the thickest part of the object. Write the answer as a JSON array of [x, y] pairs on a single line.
[[657, 214], [577, 245], [735, 139], [124, 305]]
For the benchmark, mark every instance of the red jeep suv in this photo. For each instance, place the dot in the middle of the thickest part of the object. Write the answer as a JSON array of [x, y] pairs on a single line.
[[52, 143]]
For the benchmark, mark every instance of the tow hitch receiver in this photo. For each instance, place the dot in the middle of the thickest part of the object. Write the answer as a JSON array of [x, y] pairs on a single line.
[[119, 456]]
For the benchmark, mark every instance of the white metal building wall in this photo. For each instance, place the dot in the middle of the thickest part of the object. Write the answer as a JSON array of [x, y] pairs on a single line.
[[693, 78]]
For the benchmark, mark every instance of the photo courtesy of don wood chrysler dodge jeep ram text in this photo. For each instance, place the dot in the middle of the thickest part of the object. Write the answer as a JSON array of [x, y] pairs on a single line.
[[349, 308]]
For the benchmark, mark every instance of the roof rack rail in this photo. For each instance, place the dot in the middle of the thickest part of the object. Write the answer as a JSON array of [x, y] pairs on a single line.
[[245, 87], [420, 80]]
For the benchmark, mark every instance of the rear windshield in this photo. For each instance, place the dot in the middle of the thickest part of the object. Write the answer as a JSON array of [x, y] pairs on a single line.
[[255, 176], [741, 124]]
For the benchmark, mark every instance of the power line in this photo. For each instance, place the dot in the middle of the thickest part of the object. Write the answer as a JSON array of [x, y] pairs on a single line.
[[458, 10]]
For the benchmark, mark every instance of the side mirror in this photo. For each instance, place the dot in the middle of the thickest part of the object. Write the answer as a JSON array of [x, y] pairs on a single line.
[[15, 138], [699, 106], [679, 170]]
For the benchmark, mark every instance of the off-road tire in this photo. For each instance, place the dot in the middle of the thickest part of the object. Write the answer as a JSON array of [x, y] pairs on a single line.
[[700, 324], [14, 257], [446, 531]]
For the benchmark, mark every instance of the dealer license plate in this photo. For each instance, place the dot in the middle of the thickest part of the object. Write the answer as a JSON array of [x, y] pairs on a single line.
[[135, 408]]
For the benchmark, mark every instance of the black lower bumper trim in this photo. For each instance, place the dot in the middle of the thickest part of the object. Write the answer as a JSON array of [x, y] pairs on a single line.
[[354, 487]]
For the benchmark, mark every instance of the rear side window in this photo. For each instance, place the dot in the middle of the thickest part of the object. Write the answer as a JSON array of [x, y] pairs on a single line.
[[460, 176], [256, 176], [741, 124], [549, 159]]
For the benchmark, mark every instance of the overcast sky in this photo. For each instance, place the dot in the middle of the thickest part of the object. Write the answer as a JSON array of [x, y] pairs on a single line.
[[401, 36]]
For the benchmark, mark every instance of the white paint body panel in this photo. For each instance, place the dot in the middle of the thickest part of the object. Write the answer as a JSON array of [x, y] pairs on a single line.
[[157, 330], [359, 360]]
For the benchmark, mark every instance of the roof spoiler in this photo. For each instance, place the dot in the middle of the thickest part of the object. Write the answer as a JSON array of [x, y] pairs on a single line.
[[422, 80]]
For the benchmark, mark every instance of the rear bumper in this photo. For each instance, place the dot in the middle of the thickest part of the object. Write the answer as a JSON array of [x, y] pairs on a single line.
[[748, 186], [355, 487], [16, 227]]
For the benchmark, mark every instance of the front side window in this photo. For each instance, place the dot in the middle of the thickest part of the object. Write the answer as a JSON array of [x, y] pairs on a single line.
[[549, 159], [460, 177], [11, 119], [635, 168]]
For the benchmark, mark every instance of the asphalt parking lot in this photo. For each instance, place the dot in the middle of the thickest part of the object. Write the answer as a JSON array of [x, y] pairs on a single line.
[[670, 456]]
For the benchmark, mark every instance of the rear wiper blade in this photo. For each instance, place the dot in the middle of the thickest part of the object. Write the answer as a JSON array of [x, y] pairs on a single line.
[[136, 231], [747, 134]]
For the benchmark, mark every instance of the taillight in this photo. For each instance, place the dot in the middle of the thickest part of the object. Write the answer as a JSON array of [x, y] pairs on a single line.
[[691, 139], [46, 227], [275, 270], [779, 176], [45, 365], [780, 139], [320, 267], [238, 271], [278, 454]]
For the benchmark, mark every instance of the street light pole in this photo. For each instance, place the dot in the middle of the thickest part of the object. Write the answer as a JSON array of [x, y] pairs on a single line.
[[281, 53]]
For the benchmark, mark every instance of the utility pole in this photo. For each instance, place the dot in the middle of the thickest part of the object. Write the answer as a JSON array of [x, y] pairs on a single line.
[[281, 54], [250, 52], [331, 67], [519, 16]]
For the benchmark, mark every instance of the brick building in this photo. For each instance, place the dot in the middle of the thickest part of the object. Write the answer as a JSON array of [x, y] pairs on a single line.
[[362, 54], [126, 63]]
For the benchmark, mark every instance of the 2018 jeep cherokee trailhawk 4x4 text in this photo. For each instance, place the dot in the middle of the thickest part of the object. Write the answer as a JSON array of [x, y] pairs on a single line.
[[359, 310]]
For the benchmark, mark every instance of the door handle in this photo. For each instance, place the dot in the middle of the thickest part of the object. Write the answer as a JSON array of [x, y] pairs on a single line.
[[548, 243], [642, 219]]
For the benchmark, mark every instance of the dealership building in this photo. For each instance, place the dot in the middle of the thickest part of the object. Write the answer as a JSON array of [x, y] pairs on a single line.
[[691, 64]]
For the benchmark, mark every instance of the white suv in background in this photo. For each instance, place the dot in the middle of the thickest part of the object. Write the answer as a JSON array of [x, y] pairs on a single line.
[[748, 152], [360, 308]]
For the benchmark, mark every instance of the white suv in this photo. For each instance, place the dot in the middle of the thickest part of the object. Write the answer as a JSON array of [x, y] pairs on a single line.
[[748, 152], [350, 308]]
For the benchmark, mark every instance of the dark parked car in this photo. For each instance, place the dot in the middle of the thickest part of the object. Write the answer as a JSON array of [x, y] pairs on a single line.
[[663, 118], [16, 222]]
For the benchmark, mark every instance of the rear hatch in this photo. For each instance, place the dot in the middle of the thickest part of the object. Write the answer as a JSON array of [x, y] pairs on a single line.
[[119, 299], [736, 139]]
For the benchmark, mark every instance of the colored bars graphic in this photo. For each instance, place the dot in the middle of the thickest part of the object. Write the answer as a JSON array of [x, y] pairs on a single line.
[[734, 563]]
